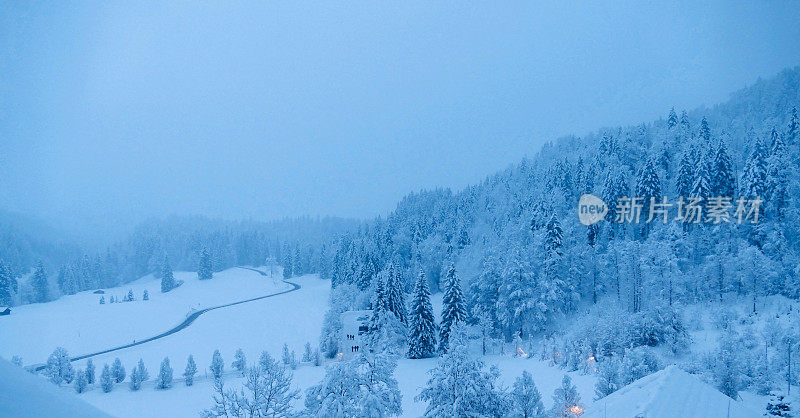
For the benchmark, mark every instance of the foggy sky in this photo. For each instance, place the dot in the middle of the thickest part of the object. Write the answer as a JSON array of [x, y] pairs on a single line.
[[112, 113]]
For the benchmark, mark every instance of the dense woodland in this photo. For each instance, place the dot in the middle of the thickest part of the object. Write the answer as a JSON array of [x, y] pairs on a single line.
[[529, 271]]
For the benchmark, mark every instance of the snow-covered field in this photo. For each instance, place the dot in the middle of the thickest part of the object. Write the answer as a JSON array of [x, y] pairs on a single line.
[[82, 325]]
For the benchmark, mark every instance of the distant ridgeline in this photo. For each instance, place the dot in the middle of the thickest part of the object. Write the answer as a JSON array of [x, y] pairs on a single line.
[[524, 258], [295, 243]]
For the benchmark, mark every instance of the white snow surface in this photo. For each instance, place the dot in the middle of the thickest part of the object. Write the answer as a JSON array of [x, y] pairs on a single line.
[[82, 325], [668, 393], [25, 395]]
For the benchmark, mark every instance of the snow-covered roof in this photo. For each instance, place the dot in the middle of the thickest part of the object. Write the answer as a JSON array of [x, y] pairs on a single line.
[[356, 316], [25, 395], [666, 394]]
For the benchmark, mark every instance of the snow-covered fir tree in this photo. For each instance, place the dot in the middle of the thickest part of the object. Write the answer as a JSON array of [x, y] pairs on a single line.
[[204, 268], [454, 310], [723, 180], [672, 119], [134, 380], [217, 365], [287, 263], [361, 387], [459, 385], [648, 187], [144, 375], [526, 400], [308, 353], [422, 328], [189, 371], [90, 372], [118, 371], [686, 175], [145, 295], [106, 380], [239, 361], [167, 278], [754, 178], [58, 367], [164, 378], [7, 284], [567, 401], [80, 382], [705, 131], [40, 285], [396, 301]]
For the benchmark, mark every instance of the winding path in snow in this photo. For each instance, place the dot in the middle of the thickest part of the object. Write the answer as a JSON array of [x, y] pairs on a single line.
[[186, 322]]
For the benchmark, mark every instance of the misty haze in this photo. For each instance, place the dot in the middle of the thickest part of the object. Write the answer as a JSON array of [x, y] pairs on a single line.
[[291, 209]]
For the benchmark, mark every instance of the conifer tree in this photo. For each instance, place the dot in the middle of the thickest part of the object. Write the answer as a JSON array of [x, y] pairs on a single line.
[[557, 289], [90, 372], [793, 132], [164, 379], [41, 288], [102, 300], [566, 400], [167, 279], [106, 381], [754, 177], [379, 306], [422, 335], [217, 365], [395, 300], [460, 386], [204, 269], [145, 295], [702, 179], [648, 187], [59, 368], [287, 263], [615, 187], [672, 119], [134, 382], [705, 132], [64, 285], [190, 371], [6, 284], [239, 361], [685, 179], [142, 370], [117, 371], [776, 190], [308, 353], [526, 399], [723, 181], [453, 307], [80, 382]]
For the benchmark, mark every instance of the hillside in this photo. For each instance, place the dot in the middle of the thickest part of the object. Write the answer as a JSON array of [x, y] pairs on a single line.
[[527, 264]]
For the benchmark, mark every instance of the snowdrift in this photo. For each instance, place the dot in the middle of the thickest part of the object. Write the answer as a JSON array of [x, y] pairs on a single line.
[[25, 395]]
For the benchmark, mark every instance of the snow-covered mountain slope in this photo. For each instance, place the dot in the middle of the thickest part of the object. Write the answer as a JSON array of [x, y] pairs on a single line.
[[668, 393], [25, 395]]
